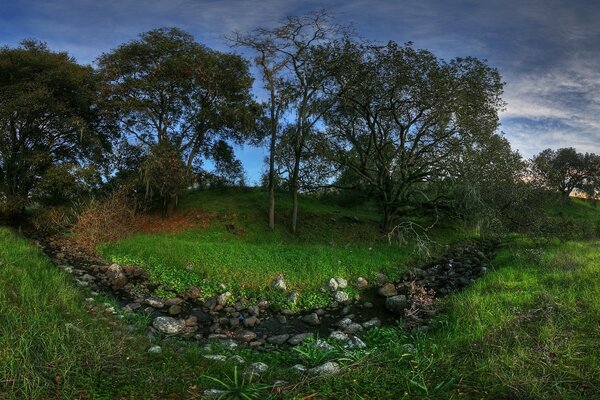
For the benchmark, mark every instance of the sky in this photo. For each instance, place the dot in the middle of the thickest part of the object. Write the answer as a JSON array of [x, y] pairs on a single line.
[[547, 51]]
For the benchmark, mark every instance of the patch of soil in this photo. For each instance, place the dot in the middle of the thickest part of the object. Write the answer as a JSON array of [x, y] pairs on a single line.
[[179, 221]]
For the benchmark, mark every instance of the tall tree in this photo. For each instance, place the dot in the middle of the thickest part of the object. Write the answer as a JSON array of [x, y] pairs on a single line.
[[565, 170], [166, 89], [298, 51], [404, 116], [48, 119]]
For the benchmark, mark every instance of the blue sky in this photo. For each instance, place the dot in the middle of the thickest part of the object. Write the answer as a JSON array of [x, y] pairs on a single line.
[[548, 51]]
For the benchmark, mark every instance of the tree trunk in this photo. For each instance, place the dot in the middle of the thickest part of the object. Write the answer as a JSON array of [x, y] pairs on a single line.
[[294, 188], [272, 180]]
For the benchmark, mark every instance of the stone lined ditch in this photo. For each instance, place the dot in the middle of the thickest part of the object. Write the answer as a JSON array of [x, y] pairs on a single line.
[[239, 323]]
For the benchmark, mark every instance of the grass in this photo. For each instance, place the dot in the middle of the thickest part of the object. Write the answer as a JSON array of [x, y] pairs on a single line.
[[333, 242]]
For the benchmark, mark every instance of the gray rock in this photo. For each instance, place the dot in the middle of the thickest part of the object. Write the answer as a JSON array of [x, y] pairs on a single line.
[[344, 322], [214, 393], [155, 350], [368, 304], [282, 319], [169, 325], [382, 279], [338, 335], [371, 323], [222, 298], [362, 283], [323, 345], [229, 344], [396, 304], [175, 310], [328, 368], [299, 338], [355, 343], [311, 319], [342, 283], [299, 368], [279, 283], [278, 339], [250, 321], [155, 303], [256, 369], [88, 278], [353, 328], [332, 284], [246, 336], [293, 297], [341, 297], [236, 359], [215, 357], [387, 290]]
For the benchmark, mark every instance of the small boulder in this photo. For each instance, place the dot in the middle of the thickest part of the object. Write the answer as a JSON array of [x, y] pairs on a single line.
[[339, 336], [371, 323], [342, 283], [175, 310], [299, 338], [169, 325], [396, 304], [250, 321], [362, 283], [311, 319], [155, 350], [256, 369], [341, 297], [279, 283], [328, 368], [332, 284], [299, 368], [278, 339], [246, 336], [388, 290]]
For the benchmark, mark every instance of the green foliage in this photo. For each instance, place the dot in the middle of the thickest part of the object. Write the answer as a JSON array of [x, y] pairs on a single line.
[[236, 388]]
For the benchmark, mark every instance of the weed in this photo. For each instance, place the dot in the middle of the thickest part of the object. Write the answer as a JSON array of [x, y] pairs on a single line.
[[236, 388]]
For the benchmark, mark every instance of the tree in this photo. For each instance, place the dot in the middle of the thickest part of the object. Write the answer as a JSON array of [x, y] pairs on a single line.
[[296, 58], [404, 117], [49, 121], [565, 170], [166, 89]]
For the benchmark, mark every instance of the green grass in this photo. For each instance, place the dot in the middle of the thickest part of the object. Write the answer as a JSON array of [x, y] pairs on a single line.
[[332, 242]]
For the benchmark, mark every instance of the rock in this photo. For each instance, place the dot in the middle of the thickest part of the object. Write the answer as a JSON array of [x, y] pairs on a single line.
[[88, 278], [228, 344], [236, 359], [278, 339], [338, 335], [233, 322], [222, 298], [131, 306], [342, 283], [250, 321], [168, 325], [175, 310], [355, 343], [332, 284], [191, 321], [299, 338], [246, 336], [194, 293], [215, 357], [396, 304], [328, 368], [483, 270], [155, 350], [371, 323], [323, 345], [263, 304], [282, 319], [311, 319], [344, 322], [387, 290], [256, 369], [116, 277], [175, 301], [353, 328], [341, 297], [293, 297], [362, 283], [298, 368], [408, 348], [346, 310], [214, 393], [279, 283], [155, 303], [382, 279], [368, 305]]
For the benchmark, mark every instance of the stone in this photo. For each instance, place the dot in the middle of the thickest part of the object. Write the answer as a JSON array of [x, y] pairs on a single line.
[[282, 319], [353, 328], [215, 357], [355, 343], [368, 304], [116, 276], [346, 310], [332, 284], [342, 283], [387, 290], [175, 310], [299, 338], [155, 350], [236, 359], [214, 393], [132, 306], [344, 322], [250, 321], [371, 323], [194, 293], [279, 283], [175, 301], [246, 336], [88, 278], [396, 304], [278, 339], [341, 297], [329, 368], [362, 283], [168, 325], [191, 321], [155, 303], [228, 344], [256, 369], [311, 319], [298, 368], [323, 345], [339, 336], [382, 279], [293, 297], [222, 298]]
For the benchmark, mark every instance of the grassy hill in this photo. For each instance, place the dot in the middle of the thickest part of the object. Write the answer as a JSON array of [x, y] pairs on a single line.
[[527, 330]]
